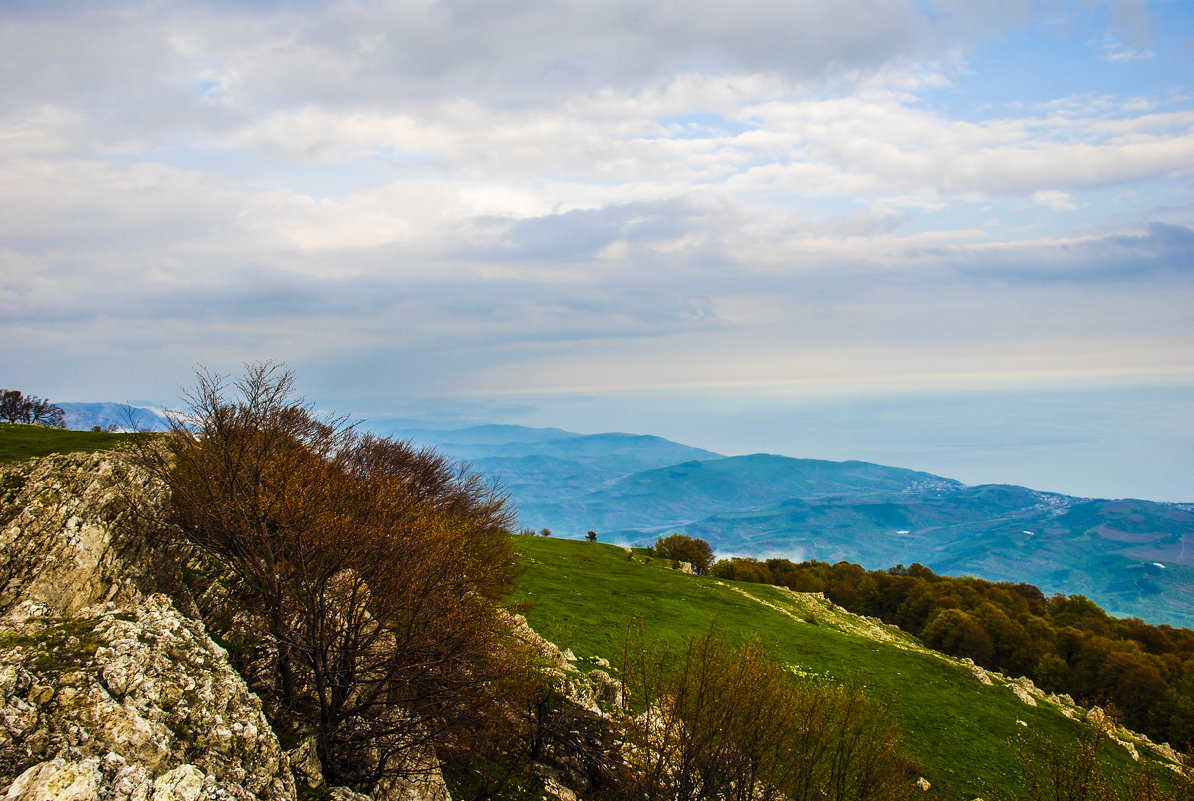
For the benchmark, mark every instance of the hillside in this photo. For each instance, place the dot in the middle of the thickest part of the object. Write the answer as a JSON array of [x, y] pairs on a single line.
[[1128, 555], [583, 596], [21, 441], [109, 655]]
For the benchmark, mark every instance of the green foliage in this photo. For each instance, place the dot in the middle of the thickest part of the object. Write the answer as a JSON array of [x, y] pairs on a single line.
[[1066, 644], [57, 644], [683, 548]]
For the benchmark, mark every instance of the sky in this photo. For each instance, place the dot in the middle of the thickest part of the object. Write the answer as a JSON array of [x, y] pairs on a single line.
[[954, 235]]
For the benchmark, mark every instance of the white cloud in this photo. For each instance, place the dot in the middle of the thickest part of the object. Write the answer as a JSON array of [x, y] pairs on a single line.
[[578, 193], [1061, 201]]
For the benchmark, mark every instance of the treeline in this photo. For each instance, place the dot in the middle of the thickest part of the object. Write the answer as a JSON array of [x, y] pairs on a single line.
[[1065, 644]]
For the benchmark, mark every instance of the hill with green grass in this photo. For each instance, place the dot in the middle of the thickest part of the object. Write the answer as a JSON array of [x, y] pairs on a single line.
[[957, 719], [23, 441], [1128, 555]]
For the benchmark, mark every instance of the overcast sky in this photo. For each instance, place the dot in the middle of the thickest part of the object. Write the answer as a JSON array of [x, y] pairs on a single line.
[[495, 206]]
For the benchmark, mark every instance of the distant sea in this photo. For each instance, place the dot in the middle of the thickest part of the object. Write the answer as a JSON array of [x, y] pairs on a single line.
[[1107, 442]]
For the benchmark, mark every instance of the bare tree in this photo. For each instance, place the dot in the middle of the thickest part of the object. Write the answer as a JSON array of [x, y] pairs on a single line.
[[728, 723], [372, 565]]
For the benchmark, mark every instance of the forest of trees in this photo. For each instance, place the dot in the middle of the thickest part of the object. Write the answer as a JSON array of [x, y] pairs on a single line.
[[1066, 644]]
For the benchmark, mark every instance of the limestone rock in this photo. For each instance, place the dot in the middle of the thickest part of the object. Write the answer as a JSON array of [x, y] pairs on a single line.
[[305, 764], [58, 781], [344, 794], [107, 691], [549, 652], [424, 782], [1025, 690], [75, 541]]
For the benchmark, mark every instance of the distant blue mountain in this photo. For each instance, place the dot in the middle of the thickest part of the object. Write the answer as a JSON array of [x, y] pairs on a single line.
[[1127, 555], [122, 416], [504, 450], [1130, 556]]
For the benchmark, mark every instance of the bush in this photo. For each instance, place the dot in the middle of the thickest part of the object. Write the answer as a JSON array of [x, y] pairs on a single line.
[[727, 723], [683, 548], [373, 568]]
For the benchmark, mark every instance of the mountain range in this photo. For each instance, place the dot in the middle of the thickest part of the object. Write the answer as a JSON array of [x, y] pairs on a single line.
[[116, 416], [1128, 555]]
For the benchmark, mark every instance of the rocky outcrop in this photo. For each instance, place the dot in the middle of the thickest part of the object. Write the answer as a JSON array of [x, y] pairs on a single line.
[[70, 537], [111, 688], [108, 691]]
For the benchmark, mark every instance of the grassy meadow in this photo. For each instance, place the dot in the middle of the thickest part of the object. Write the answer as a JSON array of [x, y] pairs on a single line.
[[583, 596], [20, 441]]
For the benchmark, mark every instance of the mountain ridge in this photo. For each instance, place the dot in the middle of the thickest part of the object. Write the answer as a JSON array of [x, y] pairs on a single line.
[[1126, 554]]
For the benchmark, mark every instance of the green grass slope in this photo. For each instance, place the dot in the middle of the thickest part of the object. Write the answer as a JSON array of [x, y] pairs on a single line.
[[583, 596], [20, 441]]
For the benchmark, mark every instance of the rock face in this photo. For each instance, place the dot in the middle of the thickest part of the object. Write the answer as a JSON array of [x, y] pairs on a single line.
[[69, 537], [109, 692]]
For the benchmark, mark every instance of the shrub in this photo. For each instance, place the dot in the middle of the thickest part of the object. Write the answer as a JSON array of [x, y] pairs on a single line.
[[683, 548], [373, 567], [728, 723]]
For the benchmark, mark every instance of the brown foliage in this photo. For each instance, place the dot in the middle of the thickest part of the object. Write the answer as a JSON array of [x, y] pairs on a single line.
[[727, 723], [1054, 772], [1065, 644], [371, 565]]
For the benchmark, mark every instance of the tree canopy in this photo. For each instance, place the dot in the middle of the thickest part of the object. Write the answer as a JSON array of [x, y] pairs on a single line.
[[683, 548], [16, 407], [1066, 644], [370, 569]]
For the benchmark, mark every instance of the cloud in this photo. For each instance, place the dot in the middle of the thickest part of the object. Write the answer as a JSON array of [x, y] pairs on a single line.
[[1130, 31], [582, 234], [1159, 251], [580, 193], [1061, 201]]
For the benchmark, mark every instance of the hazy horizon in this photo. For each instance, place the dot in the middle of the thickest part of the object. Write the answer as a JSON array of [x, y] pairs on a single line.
[[1078, 442], [956, 236], [1099, 442]]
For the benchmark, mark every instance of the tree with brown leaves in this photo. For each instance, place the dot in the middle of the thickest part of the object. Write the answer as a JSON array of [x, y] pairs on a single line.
[[372, 567]]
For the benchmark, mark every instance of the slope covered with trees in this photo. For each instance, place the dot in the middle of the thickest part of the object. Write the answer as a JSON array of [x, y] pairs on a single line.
[[1066, 644]]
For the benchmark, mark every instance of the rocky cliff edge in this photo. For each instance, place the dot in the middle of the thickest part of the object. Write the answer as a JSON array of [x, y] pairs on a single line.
[[107, 691]]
